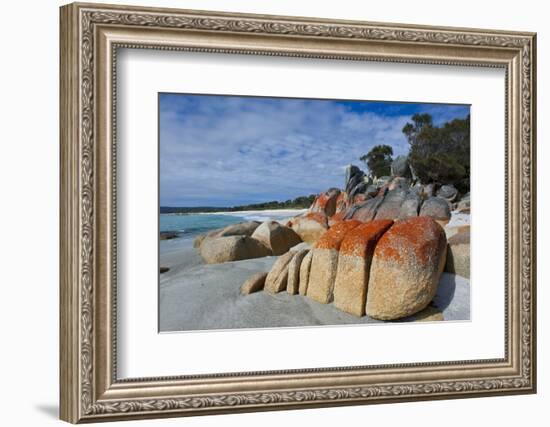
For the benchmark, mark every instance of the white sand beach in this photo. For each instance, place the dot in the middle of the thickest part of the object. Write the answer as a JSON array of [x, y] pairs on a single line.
[[280, 215], [199, 296]]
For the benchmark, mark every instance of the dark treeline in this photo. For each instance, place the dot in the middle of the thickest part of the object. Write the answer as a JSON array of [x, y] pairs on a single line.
[[301, 202], [437, 154]]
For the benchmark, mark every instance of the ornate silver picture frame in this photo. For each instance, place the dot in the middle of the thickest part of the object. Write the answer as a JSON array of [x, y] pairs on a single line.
[[91, 35]]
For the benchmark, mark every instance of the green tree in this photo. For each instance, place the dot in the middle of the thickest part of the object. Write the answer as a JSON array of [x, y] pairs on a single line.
[[379, 160], [440, 154]]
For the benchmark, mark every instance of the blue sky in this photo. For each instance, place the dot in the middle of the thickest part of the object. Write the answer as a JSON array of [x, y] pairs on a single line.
[[232, 150]]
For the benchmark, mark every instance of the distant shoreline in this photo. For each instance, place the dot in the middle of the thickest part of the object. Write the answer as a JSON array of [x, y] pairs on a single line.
[[243, 212]]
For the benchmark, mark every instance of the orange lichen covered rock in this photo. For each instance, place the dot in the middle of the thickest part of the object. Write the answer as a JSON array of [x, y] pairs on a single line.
[[324, 261], [326, 202], [352, 276], [337, 217], [310, 226], [341, 203], [406, 268]]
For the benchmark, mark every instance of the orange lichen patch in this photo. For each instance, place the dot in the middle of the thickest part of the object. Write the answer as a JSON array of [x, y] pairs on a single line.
[[322, 200], [420, 237], [334, 236], [361, 240]]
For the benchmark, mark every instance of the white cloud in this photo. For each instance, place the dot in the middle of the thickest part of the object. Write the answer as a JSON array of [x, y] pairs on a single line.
[[237, 150]]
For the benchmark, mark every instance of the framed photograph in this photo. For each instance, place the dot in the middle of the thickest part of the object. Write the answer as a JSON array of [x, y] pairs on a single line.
[[266, 212]]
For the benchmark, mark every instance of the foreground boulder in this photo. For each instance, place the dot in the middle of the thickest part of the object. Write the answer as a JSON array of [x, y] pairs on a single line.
[[437, 208], [305, 269], [458, 253], [406, 267], [231, 248], [276, 237], [254, 284], [293, 281], [324, 262], [310, 227], [352, 276], [277, 277]]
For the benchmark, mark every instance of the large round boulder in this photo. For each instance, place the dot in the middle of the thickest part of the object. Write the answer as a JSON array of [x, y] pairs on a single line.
[[352, 276], [231, 248], [309, 226], [276, 237], [406, 268], [324, 262]]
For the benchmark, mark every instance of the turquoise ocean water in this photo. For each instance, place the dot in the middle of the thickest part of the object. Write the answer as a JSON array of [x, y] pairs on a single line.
[[190, 225]]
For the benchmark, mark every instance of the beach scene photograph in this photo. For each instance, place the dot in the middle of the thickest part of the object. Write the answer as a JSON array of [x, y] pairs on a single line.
[[292, 212]]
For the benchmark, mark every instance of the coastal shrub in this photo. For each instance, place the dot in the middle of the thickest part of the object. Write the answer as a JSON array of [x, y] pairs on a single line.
[[440, 154], [379, 160]]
